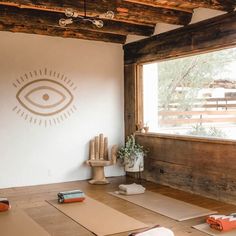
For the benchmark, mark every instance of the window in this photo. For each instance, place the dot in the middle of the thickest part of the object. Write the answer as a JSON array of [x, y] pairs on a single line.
[[192, 96]]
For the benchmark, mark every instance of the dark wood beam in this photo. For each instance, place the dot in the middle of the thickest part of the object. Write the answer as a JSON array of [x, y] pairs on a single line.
[[130, 98], [212, 34], [165, 5], [223, 5], [123, 28], [52, 19], [188, 5], [124, 11], [19, 20]]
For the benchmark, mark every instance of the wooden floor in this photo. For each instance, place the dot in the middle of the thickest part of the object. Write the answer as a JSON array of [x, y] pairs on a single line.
[[32, 201]]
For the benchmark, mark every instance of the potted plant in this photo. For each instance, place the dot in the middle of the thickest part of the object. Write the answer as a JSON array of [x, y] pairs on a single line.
[[131, 155]]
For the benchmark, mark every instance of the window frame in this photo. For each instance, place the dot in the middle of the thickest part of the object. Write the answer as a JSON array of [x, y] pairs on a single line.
[[186, 41], [140, 112]]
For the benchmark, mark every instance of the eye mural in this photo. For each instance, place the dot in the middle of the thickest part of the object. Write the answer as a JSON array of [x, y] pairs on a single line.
[[44, 97]]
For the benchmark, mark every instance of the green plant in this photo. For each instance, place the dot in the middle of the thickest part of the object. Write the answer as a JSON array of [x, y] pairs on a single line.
[[214, 132], [130, 151], [200, 130]]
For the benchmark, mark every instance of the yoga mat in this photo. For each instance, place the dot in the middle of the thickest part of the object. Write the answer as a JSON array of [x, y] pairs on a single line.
[[206, 229], [98, 217], [170, 207], [18, 223]]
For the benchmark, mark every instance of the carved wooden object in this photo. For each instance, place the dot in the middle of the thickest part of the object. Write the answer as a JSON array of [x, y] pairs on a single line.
[[98, 158]]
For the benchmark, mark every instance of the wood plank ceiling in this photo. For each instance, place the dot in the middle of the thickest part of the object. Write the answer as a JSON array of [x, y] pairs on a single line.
[[136, 17]]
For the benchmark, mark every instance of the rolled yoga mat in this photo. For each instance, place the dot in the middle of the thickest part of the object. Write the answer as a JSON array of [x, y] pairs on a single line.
[[205, 228], [19, 223], [71, 196], [4, 204], [98, 217], [170, 207]]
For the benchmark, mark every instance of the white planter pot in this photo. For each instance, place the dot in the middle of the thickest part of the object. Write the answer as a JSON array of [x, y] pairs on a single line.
[[136, 165]]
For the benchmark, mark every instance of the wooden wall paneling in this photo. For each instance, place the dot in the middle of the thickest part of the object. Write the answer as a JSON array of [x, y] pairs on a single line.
[[169, 174], [201, 166], [204, 36]]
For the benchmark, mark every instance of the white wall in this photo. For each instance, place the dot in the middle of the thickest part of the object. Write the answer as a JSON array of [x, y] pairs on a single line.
[[31, 154]]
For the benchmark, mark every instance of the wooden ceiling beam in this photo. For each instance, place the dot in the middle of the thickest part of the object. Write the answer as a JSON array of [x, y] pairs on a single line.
[[18, 20], [156, 3], [188, 5], [223, 5], [201, 37], [52, 18], [124, 11]]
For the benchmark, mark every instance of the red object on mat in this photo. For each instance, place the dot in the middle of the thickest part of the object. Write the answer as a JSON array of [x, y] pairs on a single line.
[[222, 222], [73, 200], [4, 205]]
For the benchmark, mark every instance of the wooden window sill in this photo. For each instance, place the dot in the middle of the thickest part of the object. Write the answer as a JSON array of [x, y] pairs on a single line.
[[187, 138]]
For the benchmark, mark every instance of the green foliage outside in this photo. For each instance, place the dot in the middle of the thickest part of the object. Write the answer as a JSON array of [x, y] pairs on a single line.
[[193, 73], [200, 130], [181, 80]]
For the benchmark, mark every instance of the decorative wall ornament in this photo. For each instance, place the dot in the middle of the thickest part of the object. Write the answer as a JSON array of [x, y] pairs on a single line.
[[44, 97]]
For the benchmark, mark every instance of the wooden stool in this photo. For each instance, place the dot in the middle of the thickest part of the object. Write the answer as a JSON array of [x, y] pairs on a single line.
[[98, 158]]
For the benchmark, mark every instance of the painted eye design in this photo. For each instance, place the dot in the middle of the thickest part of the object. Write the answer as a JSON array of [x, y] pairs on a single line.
[[44, 97]]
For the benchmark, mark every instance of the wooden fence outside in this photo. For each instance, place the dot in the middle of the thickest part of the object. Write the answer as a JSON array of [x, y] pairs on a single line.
[[210, 110]]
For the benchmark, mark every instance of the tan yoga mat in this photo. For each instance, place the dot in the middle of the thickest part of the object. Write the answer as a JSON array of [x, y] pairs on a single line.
[[170, 207], [205, 228], [18, 223], [98, 217]]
